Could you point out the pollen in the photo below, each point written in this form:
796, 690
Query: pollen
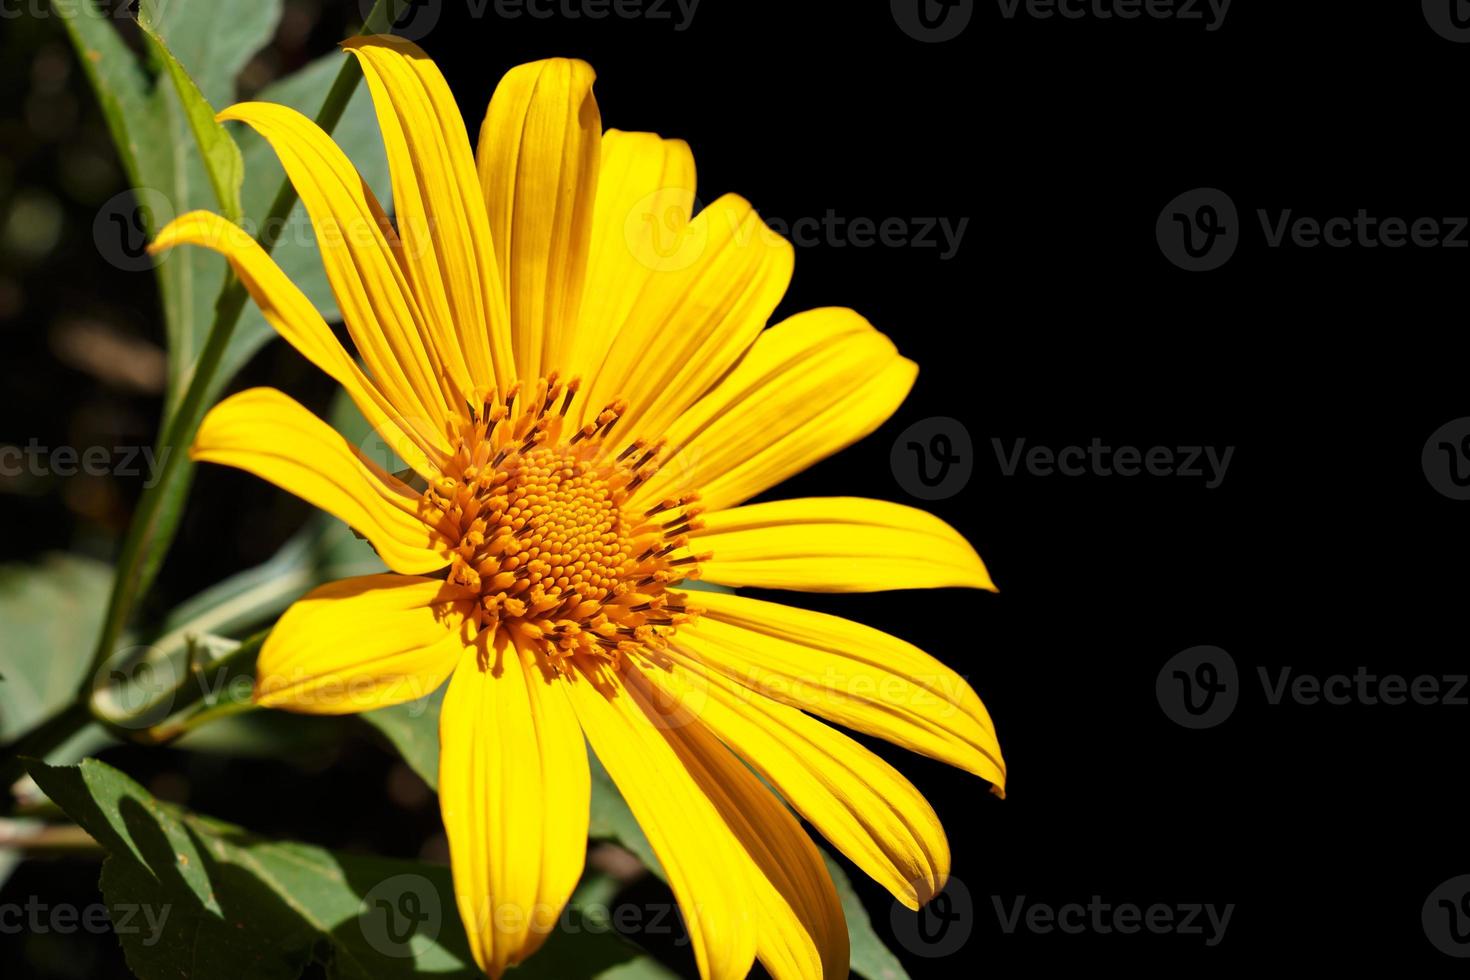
545, 532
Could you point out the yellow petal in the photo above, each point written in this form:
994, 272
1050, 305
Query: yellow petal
859, 802
537, 159
362, 643
707, 867
645, 195
836, 544
852, 674
810, 385
293, 316
802, 931
440, 211
266, 433
514, 793
691, 324
357, 248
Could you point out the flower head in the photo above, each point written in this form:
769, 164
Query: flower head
577, 370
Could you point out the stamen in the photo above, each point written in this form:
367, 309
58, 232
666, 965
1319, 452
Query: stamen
537, 517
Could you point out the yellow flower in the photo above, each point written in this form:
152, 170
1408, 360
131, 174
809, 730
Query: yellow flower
577, 369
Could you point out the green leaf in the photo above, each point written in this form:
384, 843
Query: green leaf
207, 900
222, 161
202, 45
151, 127
51, 612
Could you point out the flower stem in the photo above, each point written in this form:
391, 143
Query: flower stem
180, 696
165, 733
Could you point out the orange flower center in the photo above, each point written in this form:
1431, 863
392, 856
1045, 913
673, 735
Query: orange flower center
545, 532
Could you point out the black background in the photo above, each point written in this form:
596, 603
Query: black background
1059, 320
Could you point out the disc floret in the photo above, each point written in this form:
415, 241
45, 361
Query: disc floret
544, 532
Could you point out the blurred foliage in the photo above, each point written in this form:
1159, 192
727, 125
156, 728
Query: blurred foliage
83, 337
